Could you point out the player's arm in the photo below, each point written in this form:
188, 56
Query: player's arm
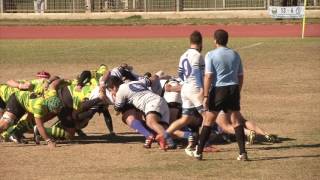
181, 71
43, 133
208, 79
20, 85
53, 83
120, 100
240, 74
197, 70
103, 79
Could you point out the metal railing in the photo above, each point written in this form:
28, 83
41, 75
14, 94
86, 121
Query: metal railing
76, 6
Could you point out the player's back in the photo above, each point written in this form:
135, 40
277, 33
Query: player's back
191, 68
135, 93
226, 65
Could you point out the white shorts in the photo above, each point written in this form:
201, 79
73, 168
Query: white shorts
160, 106
191, 97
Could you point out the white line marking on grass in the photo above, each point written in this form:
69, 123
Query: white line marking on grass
251, 45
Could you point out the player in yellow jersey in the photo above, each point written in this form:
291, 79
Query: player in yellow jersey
38, 87
38, 108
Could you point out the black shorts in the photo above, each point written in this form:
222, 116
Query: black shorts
2, 104
14, 107
65, 116
174, 105
65, 96
226, 98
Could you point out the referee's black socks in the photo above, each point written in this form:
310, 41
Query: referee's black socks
204, 136
240, 136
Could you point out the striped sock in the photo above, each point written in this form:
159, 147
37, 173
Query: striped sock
57, 132
7, 133
22, 127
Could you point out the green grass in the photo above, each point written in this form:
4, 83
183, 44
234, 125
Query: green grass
281, 90
138, 20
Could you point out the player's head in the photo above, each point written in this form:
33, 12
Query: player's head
113, 83
84, 78
54, 104
43, 74
221, 37
196, 39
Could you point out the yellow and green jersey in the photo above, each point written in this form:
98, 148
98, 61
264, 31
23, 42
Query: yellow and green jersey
35, 105
38, 86
78, 96
6, 91
97, 74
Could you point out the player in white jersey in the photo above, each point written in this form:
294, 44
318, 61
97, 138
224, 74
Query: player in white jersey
191, 70
137, 94
171, 93
124, 72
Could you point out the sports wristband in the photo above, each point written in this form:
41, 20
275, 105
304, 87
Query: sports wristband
49, 140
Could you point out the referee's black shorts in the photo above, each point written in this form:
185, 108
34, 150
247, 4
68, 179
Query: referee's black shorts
225, 98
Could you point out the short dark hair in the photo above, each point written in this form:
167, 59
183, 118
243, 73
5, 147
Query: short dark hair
196, 38
113, 81
221, 36
84, 78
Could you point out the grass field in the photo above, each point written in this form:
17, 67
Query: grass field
281, 94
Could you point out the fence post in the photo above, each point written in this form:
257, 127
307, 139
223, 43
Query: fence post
177, 5
1, 6
88, 6
224, 4
267, 4
145, 5
73, 6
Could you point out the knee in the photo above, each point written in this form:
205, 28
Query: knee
6, 121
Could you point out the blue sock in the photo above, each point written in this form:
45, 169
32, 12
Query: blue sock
168, 138
186, 134
140, 127
166, 135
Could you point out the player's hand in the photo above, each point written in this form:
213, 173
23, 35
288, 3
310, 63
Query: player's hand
25, 86
51, 143
205, 103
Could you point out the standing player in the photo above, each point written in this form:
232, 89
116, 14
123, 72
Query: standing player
222, 86
191, 70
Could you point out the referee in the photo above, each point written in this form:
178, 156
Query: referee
222, 86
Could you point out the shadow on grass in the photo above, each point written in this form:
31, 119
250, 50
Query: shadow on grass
284, 157
260, 140
108, 138
288, 147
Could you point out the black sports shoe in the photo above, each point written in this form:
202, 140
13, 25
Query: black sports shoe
81, 133
16, 139
36, 134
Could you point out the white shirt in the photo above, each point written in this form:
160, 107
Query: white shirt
191, 68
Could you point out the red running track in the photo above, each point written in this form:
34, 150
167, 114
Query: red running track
153, 31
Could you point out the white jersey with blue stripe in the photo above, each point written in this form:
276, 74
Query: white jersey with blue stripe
191, 68
135, 93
